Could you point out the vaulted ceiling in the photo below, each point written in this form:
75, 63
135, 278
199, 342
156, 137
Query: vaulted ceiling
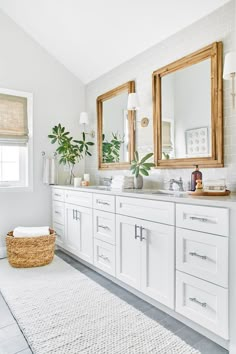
91, 37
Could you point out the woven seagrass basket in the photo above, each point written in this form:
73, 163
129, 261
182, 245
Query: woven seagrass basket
27, 252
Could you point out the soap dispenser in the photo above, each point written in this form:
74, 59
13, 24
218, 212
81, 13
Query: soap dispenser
196, 175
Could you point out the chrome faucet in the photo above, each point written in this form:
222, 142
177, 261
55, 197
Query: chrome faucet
178, 182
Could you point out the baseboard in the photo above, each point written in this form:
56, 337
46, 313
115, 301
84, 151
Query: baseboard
3, 252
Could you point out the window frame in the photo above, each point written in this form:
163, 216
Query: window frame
26, 161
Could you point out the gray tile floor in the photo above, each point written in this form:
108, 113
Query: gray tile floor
12, 340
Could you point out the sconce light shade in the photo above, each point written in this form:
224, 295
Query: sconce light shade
84, 118
229, 65
133, 102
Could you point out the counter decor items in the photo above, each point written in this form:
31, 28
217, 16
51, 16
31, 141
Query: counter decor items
121, 182
195, 175
140, 168
211, 188
77, 181
71, 151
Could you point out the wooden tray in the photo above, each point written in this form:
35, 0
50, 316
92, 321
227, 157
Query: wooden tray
210, 194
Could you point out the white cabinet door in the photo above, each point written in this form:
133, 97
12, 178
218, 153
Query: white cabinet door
85, 216
72, 229
157, 261
127, 251
60, 238
146, 262
79, 231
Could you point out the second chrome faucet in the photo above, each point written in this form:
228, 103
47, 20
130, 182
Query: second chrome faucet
178, 182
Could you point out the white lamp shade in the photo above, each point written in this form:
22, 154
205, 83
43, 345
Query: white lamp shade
229, 65
133, 102
83, 118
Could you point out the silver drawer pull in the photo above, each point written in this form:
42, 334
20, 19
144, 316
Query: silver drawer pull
141, 233
104, 257
57, 195
77, 215
194, 254
104, 227
193, 299
136, 227
102, 202
198, 218
57, 212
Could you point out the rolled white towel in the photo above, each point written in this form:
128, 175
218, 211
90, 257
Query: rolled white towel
21, 231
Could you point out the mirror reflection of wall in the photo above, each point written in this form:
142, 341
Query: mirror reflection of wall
115, 124
186, 112
115, 129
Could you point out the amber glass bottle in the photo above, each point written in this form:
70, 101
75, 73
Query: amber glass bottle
194, 177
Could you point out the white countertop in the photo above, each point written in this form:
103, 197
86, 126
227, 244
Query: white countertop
148, 194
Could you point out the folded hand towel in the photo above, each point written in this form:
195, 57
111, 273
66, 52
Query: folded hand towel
31, 231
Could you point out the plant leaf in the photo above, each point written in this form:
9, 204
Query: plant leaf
145, 158
144, 172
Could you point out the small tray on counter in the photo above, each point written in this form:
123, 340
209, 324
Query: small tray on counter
209, 194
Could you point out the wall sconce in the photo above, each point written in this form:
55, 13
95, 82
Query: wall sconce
230, 72
133, 105
85, 121
133, 102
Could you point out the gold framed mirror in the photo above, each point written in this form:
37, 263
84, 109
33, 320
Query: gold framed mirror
115, 128
188, 110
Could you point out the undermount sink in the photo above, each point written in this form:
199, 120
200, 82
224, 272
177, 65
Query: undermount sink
102, 188
163, 192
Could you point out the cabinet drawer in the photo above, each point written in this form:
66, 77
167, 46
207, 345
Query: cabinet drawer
58, 194
152, 210
79, 198
59, 229
104, 226
104, 202
203, 255
58, 212
201, 218
104, 256
203, 303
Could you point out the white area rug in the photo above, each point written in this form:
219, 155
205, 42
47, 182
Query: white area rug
62, 311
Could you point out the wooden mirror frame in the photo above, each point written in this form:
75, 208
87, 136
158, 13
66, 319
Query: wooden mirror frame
128, 87
214, 52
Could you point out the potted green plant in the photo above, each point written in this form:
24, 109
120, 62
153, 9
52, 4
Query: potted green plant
71, 151
140, 168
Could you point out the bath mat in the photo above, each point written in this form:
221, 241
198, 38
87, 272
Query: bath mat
62, 311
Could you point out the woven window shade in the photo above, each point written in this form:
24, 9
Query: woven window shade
166, 137
13, 119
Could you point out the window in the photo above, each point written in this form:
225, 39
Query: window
15, 138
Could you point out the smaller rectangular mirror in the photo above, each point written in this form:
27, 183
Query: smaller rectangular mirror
115, 128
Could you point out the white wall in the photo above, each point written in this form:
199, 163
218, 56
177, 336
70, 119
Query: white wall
58, 97
219, 26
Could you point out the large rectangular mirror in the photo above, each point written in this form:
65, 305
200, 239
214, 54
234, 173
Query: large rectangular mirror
115, 128
188, 122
